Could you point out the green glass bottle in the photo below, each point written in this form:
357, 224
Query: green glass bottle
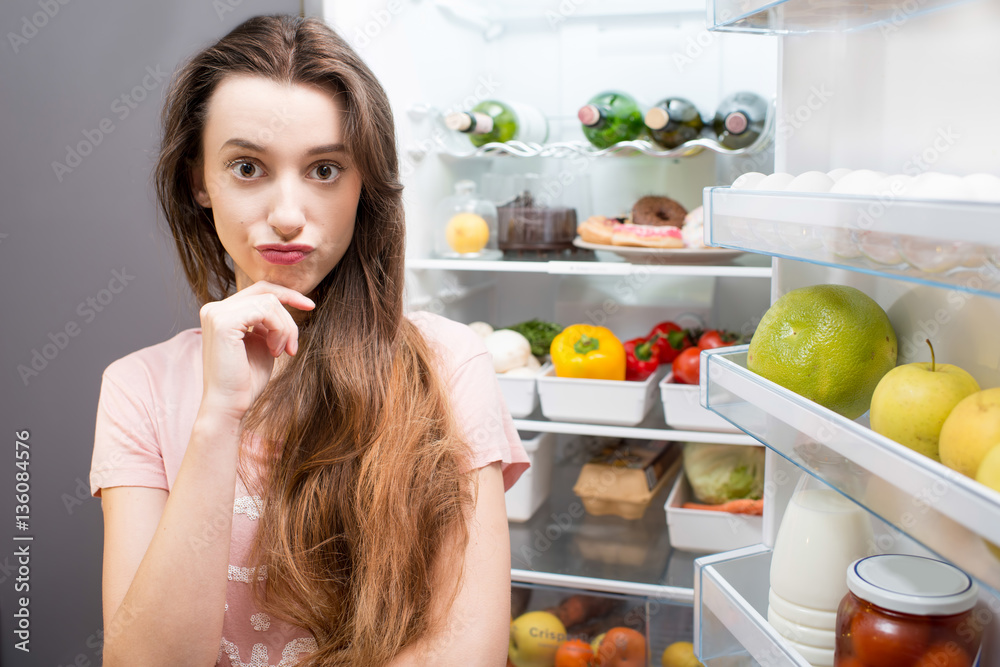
610, 117
493, 121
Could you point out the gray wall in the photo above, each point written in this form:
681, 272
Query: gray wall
64, 67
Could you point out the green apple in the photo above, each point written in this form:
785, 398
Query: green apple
912, 402
534, 639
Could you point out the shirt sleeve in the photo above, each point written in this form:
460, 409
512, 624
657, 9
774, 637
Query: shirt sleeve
126, 450
482, 414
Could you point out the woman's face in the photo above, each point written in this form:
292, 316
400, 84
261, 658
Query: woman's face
282, 189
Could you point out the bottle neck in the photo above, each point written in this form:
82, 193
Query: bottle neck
470, 122
591, 114
736, 122
657, 118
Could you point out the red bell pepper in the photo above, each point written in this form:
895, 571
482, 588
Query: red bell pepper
642, 357
673, 339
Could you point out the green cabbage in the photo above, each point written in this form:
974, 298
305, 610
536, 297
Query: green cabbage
720, 473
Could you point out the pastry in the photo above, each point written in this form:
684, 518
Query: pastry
657, 211
597, 229
647, 236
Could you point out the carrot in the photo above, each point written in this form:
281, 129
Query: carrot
743, 506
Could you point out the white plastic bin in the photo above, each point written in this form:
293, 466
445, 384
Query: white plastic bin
614, 402
682, 409
707, 531
533, 488
521, 393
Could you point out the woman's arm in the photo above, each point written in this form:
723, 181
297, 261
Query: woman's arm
165, 576
475, 631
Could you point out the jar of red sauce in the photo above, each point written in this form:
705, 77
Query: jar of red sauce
907, 611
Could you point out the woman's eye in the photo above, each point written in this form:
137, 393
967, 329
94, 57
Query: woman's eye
245, 169
325, 172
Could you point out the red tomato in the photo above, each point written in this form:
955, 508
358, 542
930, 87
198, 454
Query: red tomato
883, 641
712, 339
946, 654
687, 366
673, 340
849, 661
574, 653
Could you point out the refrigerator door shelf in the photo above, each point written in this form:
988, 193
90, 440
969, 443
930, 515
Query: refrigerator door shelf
933, 242
730, 599
936, 507
786, 17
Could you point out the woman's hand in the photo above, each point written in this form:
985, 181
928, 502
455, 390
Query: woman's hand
237, 364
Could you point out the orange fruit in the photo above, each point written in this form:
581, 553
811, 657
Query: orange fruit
622, 647
574, 653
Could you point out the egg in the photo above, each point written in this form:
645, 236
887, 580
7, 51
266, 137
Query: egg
934, 185
748, 180
811, 181
778, 181
839, 242
893, 186
985, 187
878, 247
859, 182
932, 256
837, 174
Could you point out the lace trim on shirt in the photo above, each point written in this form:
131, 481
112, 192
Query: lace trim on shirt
258, 655
245, 574
249, 505
260, 621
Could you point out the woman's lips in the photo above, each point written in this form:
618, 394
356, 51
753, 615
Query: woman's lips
283, 256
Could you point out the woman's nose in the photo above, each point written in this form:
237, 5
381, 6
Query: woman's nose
287, 214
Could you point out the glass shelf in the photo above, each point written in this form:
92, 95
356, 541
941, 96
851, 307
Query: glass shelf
594, 267
784, 17
653, 427
562, 545
731, 608
946, 512
568, 149
934, 242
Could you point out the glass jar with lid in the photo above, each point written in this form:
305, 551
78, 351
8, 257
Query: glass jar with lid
466, 225
907, 611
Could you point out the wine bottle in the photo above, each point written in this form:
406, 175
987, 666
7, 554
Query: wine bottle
610, 117
494, 121
740, 119
674, 121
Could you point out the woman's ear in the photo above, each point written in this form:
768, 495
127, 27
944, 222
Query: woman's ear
198, 187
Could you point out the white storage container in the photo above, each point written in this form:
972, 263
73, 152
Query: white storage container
682, 409
614, 402
707, 531
521, 393
533, 488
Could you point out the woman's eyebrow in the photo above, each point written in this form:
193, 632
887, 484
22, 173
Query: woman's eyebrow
315, 150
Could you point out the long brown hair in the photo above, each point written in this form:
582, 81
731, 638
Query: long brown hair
365, 489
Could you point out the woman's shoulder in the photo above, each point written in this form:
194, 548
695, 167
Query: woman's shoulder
455, 342
157, 360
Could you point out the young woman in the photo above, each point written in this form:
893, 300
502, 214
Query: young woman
310, 477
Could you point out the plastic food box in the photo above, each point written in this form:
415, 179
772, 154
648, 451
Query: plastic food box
623, 478
683, 411
535, 484
614, 402
521, 393
707, 531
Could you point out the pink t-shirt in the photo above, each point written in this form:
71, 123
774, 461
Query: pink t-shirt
145, 414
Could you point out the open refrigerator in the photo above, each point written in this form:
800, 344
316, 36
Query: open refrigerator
899, 87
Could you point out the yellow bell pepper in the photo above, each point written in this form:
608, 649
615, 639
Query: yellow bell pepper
585, 351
